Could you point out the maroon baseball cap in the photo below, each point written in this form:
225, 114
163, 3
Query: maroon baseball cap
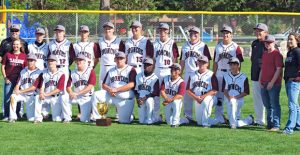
84, 28
270, 39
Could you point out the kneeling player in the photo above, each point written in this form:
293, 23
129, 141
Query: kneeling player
84, 79
51, 91
25, 90
117, 89
202, 86
172, 90
147, 87
236, 86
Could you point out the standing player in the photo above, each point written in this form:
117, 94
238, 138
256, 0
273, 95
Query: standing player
83, 79
172, 90
202, 86
138, 47
258, 47
190, 52
236, 87
118, 86
224, 51
63, 50
165, 54
52, 86
147, 87
109, 46
87, 48
25, 90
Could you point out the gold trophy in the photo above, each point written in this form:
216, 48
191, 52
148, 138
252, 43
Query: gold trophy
102, 110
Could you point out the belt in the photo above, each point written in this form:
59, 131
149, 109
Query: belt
223, 70
135, 66
164, 67
61, 66
108, 65
55, 95
32, 95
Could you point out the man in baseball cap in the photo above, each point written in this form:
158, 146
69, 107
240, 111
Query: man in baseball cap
234, 60
60, 28
226, 28
108, 24
84, 28
261, 26
194, 29
136, 24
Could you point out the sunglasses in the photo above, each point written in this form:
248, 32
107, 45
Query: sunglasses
14, 30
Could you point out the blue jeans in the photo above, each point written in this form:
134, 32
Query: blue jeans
292, 91
271, 102
8, 89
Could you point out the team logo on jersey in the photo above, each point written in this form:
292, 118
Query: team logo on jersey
119, 78
86, 54
135, 50
108, 51
16, 62
59, 52
163, 53
225, 55
171, 92
144, 87
50, 83
234, 87
26, 80
191, 54
40, 56
81, 83
200, 84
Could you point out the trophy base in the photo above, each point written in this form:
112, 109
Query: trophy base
103, 122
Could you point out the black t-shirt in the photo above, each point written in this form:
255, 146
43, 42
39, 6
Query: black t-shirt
257, 47
292, 64
6, 46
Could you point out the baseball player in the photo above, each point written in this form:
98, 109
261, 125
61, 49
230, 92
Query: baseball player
63, 50
138, 47
109, 45
172, 91
147, 87
224, 51
83, 79
190, 52
40, 49
52, 86
236, 87
25, 90
118, 89
165, 54
202, 86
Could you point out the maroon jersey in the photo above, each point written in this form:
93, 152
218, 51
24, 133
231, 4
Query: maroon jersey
14, 64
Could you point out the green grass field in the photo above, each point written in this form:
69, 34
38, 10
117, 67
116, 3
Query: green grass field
24, 137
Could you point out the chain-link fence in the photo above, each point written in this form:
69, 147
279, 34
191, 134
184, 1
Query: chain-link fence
210, 25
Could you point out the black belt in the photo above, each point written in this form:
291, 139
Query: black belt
55, 95
32, 95
108, 65
61, 66
223, 70
164, 67
135, 66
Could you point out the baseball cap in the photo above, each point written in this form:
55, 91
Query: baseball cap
40, 30
120, 55
226, 28
234, 60
52, 57
60, 27
136, 24
148, 61
261, 26
163, 26
84, 28
202, 58
109, 24
269, 38
195, 29
31, 56
15, 27
176, 66
80, 57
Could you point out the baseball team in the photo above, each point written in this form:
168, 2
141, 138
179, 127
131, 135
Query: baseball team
153, 75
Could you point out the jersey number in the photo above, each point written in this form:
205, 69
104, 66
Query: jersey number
62, 61
167, 62
139, 59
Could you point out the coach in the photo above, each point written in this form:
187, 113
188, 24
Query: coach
258, 47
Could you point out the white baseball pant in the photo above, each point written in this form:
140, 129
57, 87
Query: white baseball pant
124, 106
55, 102
219, 112
65, 102
85, 103
46, 109
233, 106
160, 73
28, 99
103, 71
203, 110
258, 103
146, 113
188, 101
172, 112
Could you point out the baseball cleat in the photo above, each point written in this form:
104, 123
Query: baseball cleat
175, 126
274, 129
37, 122
12, 121
233, 127
5, 119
